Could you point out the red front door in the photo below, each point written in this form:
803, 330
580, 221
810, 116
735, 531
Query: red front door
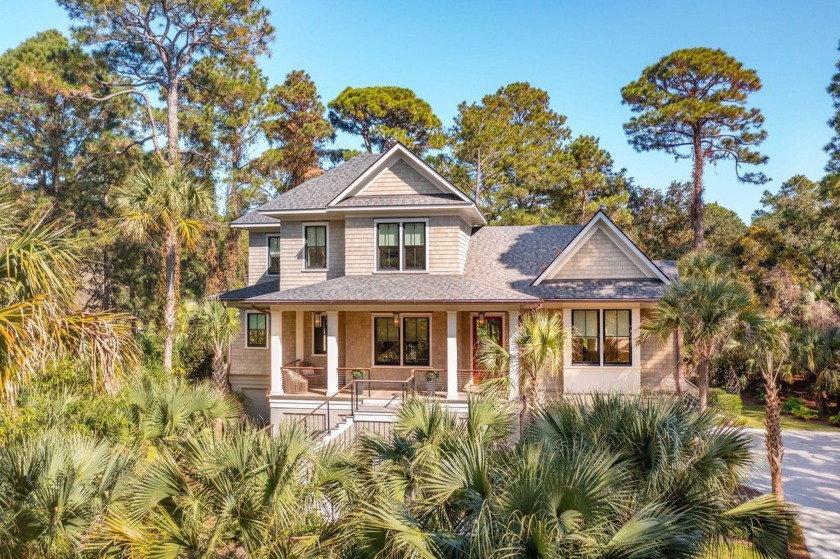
492, 328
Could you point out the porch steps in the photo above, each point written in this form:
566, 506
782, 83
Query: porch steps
337, 431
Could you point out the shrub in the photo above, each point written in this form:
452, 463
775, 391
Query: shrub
760, 395
727, 405
835, 419
797, 408
806, 413
791, 404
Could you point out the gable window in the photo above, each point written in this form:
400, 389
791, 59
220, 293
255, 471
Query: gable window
273, 255
416, 340
315, 248
386, 341
388, 246
401, 246
414, 241
319, 335
617, 343
585, 349
256, 331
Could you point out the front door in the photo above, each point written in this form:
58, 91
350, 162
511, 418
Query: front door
492, 328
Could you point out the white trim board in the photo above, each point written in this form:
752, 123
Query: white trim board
601, 222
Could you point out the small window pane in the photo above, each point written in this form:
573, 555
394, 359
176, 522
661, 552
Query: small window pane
316, 247
414, 235
388, 246
585, 337
256, 330
416, 341
274, 255
386, 341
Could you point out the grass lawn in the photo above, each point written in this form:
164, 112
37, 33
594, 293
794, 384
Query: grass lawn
753, 414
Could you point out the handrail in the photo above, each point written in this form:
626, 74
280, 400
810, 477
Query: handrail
327, 403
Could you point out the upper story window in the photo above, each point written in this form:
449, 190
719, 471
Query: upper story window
592, 327
273, 254
315, 248
256, 331
401, 246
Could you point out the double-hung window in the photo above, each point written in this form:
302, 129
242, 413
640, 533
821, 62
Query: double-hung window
401, 246
404, 342
611, 327
315, 248
273, 254
256, 331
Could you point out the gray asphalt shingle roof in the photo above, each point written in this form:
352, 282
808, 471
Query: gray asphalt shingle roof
401, 200
396, 288
255, 218
318, 192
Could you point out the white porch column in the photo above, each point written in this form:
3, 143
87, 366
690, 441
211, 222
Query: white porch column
276, 344
332, 352
451, 355
513, 349
299, 335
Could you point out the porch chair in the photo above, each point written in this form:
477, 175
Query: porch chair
295, 383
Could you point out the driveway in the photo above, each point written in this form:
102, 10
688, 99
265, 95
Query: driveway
811, 472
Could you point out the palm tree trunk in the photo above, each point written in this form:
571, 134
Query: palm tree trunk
170, 249
678, 345
523, 414
773, 435
697, 195
220, 371
703, 382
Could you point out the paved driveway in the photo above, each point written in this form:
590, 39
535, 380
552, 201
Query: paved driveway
811, 472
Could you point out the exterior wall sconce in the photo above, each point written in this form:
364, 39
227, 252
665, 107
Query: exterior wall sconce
396, 320
316, 318
481, 321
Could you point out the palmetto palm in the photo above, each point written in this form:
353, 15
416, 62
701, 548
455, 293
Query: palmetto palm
615, 477
540, 340
173, 207
216, 326
710, 311
817, 353
39, 317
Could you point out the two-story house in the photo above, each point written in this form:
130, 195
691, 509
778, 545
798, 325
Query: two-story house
383, 267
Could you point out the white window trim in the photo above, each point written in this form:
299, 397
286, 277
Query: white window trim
373, 318
268, 254
326, 225
312, 330
635, 348
267, 331
401, 240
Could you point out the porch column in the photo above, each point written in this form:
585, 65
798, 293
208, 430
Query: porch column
513, 349
332, 352
276, 344
299, 335
451, 355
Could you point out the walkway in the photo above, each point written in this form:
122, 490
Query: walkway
811, 472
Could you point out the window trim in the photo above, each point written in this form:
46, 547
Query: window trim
629, 363
598, 335
312, 347
326, 226
401, 239
267, 331
402, 365
268, 238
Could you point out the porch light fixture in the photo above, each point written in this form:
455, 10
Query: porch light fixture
316, 317
481, 320
396, 320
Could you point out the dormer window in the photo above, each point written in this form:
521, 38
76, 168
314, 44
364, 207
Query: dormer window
401, 246
315, 248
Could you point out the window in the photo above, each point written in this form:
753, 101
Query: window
319, 336
585, 337
273, 255
416, 340
386, 345
414, 241
256, 330
315, 250
388, 246
401, 246
617, 337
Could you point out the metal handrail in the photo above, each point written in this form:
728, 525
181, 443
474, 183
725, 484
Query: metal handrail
327, 403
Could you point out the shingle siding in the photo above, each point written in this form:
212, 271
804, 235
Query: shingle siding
659, 361
258, 256
293, 273
599, 258
247, 361
399, 178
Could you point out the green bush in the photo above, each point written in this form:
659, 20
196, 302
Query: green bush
835, 419
806, 413
797, 408
727, 405
760, 395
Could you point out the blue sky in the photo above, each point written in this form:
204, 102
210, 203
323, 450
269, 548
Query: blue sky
581, 52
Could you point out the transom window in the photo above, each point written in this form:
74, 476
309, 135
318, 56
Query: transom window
256, 331
404, 341
315, 248
592, 327
401, 246
274, 255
